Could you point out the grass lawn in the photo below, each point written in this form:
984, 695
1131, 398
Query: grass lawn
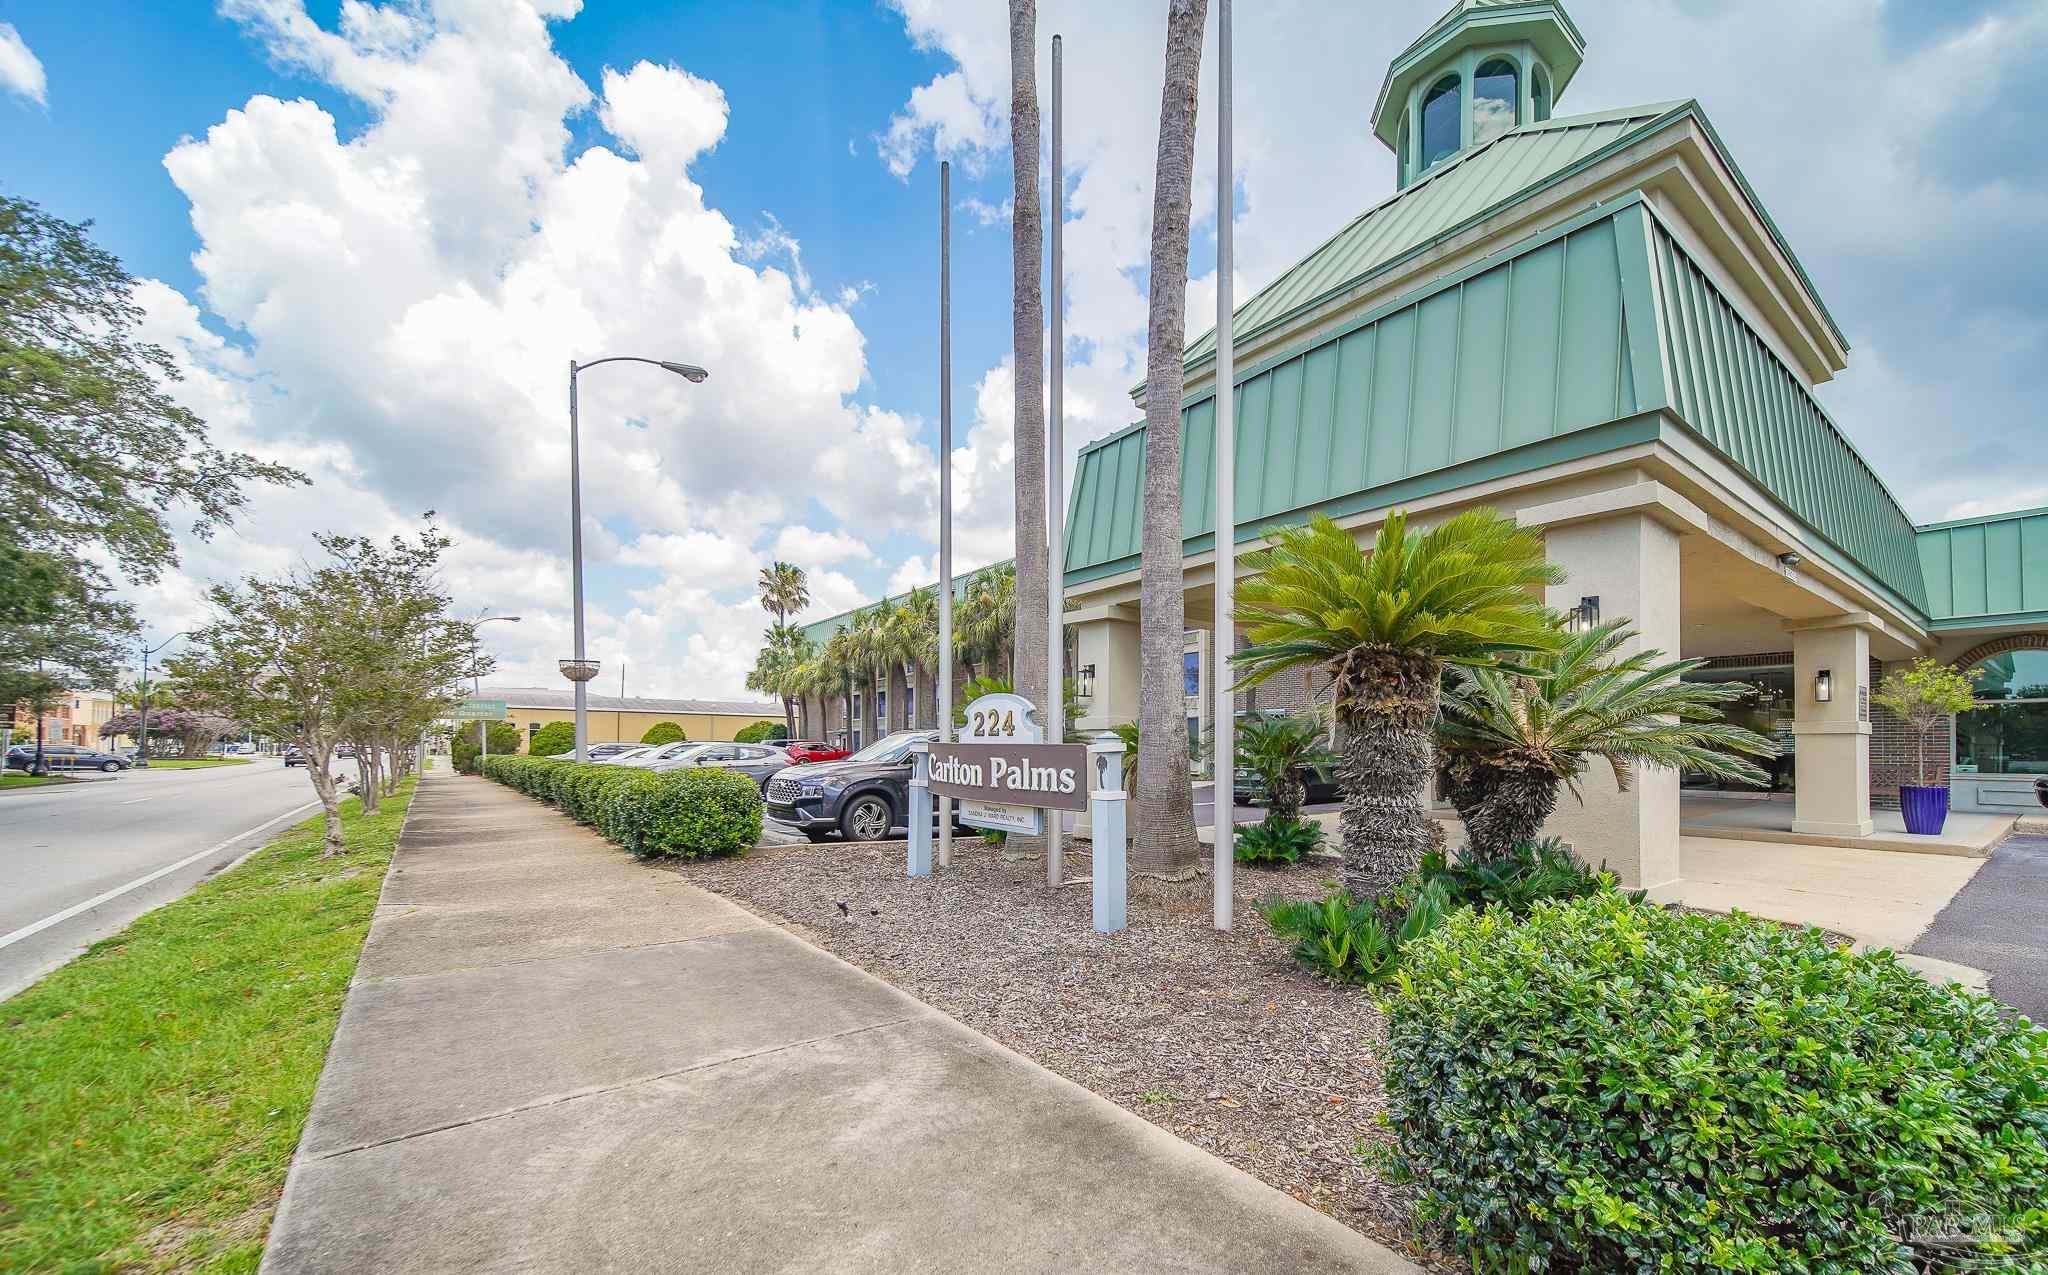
195, 763
153, 1090
17, 779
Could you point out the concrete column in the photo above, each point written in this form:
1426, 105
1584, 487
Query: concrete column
1630, 562
1831, 759
1107, 639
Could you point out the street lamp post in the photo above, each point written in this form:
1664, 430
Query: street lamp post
580, 669
142, 730
476, 680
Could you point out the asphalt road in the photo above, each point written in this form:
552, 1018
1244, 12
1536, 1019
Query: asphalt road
1999, 923
79, 861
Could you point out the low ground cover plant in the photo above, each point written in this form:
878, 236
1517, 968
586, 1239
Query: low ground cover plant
1275, 839
1605, 1086
688, 814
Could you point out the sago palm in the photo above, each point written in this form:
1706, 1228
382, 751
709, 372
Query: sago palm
1280, 751
1383, 625
1513, 738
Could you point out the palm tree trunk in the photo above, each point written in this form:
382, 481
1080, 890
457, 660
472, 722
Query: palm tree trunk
1387, 706
1164, 843
1027, 318
1518, 800
788, 718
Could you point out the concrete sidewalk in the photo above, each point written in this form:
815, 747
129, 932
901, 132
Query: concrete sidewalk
556, 1059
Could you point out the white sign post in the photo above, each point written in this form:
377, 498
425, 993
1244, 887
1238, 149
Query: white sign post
1106, 803
920, 864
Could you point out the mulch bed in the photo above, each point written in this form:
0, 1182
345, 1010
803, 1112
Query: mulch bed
1219, 1038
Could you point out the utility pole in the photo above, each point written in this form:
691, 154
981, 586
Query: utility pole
1225, 631
1055, 488
945, 804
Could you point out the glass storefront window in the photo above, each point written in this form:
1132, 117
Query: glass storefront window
2008, 735
1496, 100
1767, 709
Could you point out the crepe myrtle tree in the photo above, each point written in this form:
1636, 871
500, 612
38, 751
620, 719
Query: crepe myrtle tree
362, 649
1925, 695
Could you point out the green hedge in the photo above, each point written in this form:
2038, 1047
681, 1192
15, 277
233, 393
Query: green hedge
555, 737
1608, 1086
664, 733
688, 814
761, 731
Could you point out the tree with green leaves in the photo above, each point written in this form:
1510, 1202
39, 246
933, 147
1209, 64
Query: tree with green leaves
96, 453
1384, 625
361, 649
1925, 694
985, 622
785, 590
1512, 738
778, 668
1281, 751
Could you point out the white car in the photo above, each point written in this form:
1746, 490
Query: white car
654, 758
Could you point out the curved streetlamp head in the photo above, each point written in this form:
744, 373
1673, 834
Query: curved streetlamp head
688, 371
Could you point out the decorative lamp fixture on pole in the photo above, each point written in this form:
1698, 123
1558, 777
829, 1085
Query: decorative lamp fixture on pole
581, 669
142, 730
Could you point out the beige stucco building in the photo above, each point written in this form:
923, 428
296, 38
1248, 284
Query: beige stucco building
1590, 323
627, 718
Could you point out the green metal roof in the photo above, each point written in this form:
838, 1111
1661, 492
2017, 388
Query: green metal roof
1556, 347
1986, 569
1521, 348
1458, 191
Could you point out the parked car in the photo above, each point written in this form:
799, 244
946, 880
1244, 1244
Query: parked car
802, 752
653, 757
345, 750
862, 798
620, 757
599, 752
758, 762
62, 757
294, 757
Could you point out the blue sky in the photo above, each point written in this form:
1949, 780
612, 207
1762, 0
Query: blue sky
380, 231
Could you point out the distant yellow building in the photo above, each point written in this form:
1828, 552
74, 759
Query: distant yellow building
615, 718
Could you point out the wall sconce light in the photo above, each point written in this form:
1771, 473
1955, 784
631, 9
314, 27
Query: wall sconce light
1823, 686
1084, 681
1585, 616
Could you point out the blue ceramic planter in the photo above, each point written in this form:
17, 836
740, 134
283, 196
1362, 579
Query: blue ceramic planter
1926, 809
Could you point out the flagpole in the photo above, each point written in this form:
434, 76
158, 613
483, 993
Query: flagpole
1224, 635
945, 804
1055, 489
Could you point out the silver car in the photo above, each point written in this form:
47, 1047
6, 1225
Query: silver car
654, 757
758, 762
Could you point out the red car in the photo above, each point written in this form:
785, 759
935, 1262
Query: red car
805, 751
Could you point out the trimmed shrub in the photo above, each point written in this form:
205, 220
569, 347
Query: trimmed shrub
463, 748
760, 732
1519, 879
690, 813
1612, 1087
664, 733
1352, 942
555, 737
1277, 839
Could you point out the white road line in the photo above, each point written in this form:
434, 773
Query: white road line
132, 800
59, 918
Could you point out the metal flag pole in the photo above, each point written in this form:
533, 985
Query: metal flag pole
1055, 489
1225, 633
945, 804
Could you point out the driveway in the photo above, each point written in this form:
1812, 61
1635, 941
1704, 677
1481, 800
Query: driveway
1999, 923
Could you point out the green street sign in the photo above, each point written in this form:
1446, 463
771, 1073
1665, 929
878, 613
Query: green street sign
489, 710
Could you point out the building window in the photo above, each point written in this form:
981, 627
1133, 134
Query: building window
1539, 93
882, 709
1191, 672
2007, 733
1496, 100
910, 705
1439, 122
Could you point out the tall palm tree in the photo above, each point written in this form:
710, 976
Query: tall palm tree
987, 620
1165, 843
1512, 739
839, 665
778, 669
914, 641
784, 590
1385, 626
1024, 644
870, 648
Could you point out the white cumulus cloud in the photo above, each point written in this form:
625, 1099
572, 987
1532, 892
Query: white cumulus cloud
21, 71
